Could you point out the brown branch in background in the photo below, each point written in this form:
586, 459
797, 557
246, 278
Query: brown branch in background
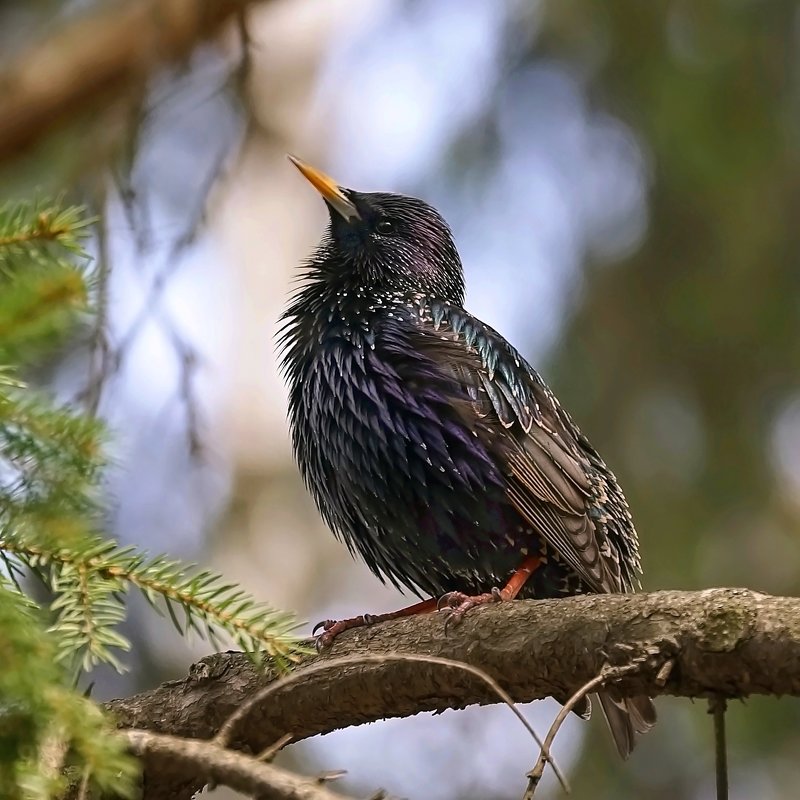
267, 755
728, 642
241, 772
99, 57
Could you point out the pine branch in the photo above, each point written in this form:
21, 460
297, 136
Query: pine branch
43, 275
51, 459
88, 613
205, 597
43, 720
88, 581
50, 462
24, 224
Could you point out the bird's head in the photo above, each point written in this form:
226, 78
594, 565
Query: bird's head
385, 243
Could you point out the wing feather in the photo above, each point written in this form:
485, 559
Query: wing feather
553, 480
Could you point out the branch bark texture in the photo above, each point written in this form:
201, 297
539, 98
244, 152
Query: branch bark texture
227, 767
98, 58
721, 642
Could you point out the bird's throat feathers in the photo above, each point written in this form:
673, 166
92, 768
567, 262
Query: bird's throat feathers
372, 269
335, 301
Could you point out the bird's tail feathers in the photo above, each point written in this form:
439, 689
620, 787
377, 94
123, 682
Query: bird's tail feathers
626, 718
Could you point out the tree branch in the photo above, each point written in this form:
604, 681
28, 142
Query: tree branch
212, 762
722, 642
99, 57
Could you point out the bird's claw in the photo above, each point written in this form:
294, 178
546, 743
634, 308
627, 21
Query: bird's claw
450, 600
456, 604
325, 624
331, 628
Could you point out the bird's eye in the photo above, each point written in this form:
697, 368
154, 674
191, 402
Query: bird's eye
384, 226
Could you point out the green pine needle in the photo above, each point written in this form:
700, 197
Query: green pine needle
51, 463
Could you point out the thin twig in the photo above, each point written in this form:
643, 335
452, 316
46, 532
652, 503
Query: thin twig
662, 676
605, 675
226, 732
330, 775
230, 768
245, 67
267, 755
99, 350
83, 789
717, 707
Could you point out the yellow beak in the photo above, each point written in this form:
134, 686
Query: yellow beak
328, 188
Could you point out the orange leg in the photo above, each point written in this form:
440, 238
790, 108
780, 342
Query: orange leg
456, 604
332, 628
520, 578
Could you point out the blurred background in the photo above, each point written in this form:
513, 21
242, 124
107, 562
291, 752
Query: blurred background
623, 182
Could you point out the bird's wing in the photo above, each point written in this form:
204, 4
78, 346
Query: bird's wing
554, 478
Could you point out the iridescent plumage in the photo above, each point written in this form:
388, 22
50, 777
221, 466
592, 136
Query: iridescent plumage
431, 447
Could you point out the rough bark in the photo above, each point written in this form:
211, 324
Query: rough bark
97, 59
721, 642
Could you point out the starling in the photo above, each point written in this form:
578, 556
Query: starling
431, 447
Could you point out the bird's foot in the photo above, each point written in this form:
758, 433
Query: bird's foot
331, 628
456, 604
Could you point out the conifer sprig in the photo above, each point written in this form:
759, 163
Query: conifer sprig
43, 275
89, 583
23, 225
51, 462
44, 724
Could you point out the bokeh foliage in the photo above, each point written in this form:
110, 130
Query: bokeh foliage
680, 360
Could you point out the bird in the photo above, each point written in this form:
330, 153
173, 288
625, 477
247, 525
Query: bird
430, 446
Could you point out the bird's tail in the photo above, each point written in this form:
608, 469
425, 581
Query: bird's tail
627, 717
